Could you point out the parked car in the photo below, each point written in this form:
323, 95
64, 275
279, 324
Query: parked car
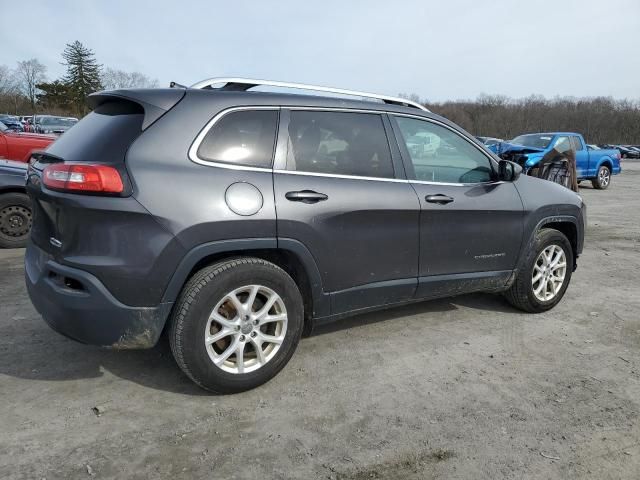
595, 165
19, 146
260, 230
12, 123
51, 124
15, 206
628, 151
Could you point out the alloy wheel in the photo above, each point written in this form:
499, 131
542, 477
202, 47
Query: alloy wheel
549, 272
246, 329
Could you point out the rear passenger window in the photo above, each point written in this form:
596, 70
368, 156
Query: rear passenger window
339, 143
242, 138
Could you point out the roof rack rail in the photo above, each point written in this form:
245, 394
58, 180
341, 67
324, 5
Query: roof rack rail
244, 84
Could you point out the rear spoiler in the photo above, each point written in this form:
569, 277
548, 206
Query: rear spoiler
155, 102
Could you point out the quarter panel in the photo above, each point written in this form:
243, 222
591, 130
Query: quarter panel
189, 198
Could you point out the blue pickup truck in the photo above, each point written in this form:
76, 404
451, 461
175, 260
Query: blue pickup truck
594, 165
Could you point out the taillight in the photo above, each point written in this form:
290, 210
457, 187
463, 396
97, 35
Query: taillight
83, 177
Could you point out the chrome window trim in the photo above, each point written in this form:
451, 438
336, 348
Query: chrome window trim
336, 175
448, 184
193, 150
251, 82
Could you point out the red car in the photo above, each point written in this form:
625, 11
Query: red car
19, 146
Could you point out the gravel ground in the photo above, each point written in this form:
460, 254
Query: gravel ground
459, 388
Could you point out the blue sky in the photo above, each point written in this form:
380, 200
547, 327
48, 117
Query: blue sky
445, 49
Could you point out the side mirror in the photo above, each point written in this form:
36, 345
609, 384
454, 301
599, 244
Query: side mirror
508, 171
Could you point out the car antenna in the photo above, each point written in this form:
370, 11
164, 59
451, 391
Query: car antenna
176, 85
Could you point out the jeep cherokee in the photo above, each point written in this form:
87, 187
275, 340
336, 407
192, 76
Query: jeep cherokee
235, 219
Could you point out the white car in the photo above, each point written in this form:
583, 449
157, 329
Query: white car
423, 144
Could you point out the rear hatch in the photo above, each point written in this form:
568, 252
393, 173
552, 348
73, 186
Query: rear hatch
72, 223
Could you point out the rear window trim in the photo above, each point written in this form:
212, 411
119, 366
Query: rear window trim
193, 150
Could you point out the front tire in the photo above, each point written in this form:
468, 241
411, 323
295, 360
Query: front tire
15, 220
603, 178
544, 275
236, 324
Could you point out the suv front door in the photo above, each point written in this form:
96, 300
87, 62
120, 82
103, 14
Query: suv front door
339, 193
470, 225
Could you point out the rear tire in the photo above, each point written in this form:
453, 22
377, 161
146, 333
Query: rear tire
529, 291
603, 178
227, 304
15, 220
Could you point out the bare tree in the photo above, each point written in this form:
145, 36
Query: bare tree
30, 73
8, 84
601, 120
113, 79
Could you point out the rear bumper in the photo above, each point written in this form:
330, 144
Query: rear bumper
77, 305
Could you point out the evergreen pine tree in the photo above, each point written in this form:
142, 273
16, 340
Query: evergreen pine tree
83, 74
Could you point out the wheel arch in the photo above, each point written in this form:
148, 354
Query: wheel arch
606, 161
568, 226
13, 189
290, 255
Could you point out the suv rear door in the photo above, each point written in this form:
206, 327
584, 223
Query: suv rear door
340, 191
470, 225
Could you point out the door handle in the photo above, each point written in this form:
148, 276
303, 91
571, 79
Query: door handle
306, 196
439, 199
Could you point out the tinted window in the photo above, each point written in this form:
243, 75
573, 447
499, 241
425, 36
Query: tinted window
338, 143
104, 135
441, 155
242, 138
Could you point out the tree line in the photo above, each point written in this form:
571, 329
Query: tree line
26, 89
601, 120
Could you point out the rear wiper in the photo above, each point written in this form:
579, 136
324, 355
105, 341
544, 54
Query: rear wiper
177, 85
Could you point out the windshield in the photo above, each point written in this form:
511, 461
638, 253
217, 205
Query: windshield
535, 141
3, 127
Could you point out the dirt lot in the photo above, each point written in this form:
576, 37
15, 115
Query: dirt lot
461, 388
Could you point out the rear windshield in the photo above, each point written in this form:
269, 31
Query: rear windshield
102, 136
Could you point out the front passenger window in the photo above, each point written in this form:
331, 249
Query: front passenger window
441, 155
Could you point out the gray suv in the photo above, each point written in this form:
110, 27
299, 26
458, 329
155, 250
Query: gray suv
235, 220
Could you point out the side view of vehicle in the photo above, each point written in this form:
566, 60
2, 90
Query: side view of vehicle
19, 146
235, 219
15, 205
595, 165
627, 151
